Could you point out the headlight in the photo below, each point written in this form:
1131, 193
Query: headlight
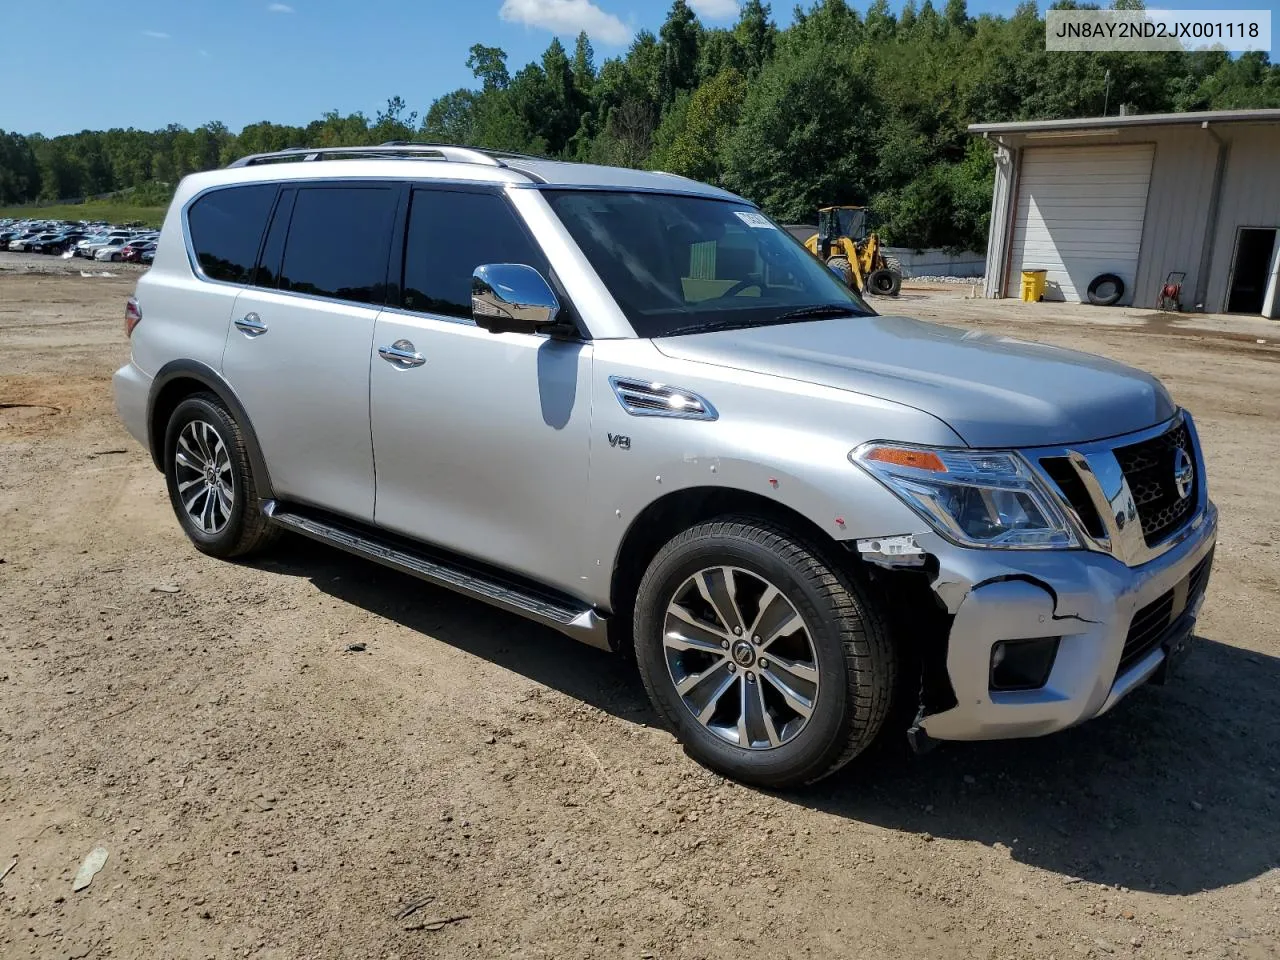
986, 498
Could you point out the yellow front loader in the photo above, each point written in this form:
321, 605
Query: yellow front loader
844, 244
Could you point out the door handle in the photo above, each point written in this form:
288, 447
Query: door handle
251, 325
402, 354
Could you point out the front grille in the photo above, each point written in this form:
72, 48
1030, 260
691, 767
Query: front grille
1062, 473
1149, 625
1149, 468
1198, 580
1145, 630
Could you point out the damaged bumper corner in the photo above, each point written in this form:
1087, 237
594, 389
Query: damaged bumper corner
1085, 599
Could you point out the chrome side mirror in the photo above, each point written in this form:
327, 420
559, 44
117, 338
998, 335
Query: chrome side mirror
511, 298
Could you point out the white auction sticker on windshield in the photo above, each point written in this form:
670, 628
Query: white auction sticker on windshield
753, 219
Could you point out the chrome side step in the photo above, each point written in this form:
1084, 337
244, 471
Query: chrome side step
560, 613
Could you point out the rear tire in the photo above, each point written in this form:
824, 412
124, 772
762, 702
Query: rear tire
210, 480
841, 267
796, 706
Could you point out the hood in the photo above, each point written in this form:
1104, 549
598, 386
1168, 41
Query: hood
993, 391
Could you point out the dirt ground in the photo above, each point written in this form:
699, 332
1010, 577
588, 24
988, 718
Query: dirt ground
473, 786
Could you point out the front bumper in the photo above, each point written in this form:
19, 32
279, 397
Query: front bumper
1088, 599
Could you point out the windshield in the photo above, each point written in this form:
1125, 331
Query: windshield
678, 264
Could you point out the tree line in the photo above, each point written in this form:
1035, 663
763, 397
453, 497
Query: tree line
842, 106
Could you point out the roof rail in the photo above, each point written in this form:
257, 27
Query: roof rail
394, 150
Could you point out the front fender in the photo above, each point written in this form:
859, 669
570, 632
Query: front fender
786, 441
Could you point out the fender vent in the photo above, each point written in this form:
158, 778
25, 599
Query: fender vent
641, 398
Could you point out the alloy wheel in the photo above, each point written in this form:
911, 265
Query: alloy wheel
741, 657
202, 470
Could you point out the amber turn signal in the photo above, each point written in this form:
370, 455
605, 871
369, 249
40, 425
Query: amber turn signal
906, 457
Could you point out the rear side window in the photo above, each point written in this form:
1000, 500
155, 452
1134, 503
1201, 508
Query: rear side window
226, 228
450, 234
338, 242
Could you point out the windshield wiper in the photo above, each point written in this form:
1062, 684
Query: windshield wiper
821, 310
804, 313
711, 326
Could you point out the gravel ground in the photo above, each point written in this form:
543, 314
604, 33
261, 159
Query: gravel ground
472, 786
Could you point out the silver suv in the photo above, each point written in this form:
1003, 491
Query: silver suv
628, 406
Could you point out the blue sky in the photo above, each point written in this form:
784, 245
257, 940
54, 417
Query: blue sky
148, 63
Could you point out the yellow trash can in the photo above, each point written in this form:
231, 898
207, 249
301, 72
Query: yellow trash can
1033, 285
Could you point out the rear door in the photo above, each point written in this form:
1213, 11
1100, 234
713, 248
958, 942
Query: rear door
298, 348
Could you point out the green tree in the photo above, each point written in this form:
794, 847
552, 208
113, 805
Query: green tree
679, 36
394, 122
756, 36
584, 64
489, 65
19, 169
956, 13
703, 124
880, 23
451, 119
800, 142
948, 205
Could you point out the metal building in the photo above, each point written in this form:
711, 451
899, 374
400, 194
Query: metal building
1140, 197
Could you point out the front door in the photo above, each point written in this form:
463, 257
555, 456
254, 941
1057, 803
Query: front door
481, 439
299, 344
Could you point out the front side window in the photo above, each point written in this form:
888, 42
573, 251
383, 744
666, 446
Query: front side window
338, 242
226, 227
450, 234
680, 264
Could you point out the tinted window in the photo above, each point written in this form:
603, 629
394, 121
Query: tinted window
268, 273
338, 243
452, 233
226, 226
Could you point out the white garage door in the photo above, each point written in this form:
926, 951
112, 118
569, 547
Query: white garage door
1080, 212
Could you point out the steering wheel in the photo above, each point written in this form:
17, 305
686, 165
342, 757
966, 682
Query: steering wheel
738, 287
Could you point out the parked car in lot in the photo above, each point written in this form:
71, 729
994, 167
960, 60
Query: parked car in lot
630, 407
55, 244
108, 249
88, 247
59, 236
81, 248
132, 252
19, 244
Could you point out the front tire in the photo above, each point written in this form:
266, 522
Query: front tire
884, 283
772, 665
210, 480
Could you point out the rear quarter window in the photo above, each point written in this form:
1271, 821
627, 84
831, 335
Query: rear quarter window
226, 228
